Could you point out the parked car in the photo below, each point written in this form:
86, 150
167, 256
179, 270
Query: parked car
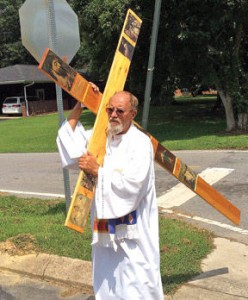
13, 105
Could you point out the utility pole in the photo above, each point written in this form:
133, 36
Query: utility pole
150, 69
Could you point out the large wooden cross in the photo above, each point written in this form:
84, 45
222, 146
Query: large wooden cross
81, 90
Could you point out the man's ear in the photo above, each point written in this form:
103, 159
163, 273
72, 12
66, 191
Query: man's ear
134, 113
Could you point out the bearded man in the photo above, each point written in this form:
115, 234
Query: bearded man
124, 213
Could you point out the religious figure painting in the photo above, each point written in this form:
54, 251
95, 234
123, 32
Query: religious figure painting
132, 28
126, 48
58, 70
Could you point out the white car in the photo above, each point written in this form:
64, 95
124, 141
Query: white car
13, 105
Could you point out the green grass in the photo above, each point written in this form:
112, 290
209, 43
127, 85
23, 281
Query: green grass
33, 134
185, 125
182, 246
44, 219
190, 124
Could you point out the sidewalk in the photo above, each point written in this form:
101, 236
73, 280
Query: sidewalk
224, 277
225, 272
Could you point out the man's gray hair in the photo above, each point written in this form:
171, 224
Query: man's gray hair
133, 100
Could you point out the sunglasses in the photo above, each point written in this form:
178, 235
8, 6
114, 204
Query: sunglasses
118, 111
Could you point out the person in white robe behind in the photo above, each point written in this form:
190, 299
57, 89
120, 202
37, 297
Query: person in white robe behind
124, 214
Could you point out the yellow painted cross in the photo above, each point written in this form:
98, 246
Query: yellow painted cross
81, 90
84, 192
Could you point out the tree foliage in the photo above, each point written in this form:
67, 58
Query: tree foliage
11, 50
199, 42
215, 33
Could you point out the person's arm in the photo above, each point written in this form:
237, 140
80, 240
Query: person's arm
75, 115
77, 110
72, 138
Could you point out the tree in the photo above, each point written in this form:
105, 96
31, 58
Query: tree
100, 26
213, 47
199, 41
11, 51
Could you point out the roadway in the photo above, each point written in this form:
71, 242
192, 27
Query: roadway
40, 175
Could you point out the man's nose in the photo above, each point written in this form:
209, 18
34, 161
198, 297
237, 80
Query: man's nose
114, 113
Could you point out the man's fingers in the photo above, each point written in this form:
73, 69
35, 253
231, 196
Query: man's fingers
89, 153
94, 87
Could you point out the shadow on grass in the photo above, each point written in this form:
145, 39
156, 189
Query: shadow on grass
185, 120
58, 208
172, 283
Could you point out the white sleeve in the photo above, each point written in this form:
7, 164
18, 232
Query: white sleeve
72, 144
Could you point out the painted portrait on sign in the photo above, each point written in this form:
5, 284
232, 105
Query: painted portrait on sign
187, 176
126, 48
132, 28
59, 71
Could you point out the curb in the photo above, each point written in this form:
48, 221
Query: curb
224, 272
73, 272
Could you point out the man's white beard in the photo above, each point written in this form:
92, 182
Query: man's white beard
115, 129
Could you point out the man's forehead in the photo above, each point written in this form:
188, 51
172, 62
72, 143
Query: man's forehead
119, 98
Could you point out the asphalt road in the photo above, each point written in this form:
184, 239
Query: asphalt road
40, 175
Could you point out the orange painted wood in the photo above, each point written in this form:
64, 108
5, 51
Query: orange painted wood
217, 200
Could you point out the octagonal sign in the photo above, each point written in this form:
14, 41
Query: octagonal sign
49, 24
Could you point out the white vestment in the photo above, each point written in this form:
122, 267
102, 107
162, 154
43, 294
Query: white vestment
125, 250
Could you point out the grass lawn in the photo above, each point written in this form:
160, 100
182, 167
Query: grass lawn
186, 125
37, 225
190, 124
